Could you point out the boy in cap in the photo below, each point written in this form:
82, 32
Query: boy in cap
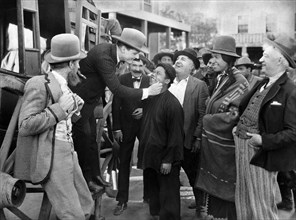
161, 144
45, 153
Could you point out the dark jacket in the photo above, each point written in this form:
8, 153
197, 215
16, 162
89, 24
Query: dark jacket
277, 126
122, 108
99, 67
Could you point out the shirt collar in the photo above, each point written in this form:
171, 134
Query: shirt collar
59, 78
176, 80
272, 79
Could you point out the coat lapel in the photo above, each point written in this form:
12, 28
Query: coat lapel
53, 87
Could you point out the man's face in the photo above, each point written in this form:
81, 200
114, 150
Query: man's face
202, 64
219, 64
269, 61
245, 71
159, 75
166, 59
128, 55
184, 66
137, 67
73, 78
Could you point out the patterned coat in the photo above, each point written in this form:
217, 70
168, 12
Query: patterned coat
217, 172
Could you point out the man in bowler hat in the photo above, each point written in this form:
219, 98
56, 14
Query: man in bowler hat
99, 68
192, 94
265, 136
45, 154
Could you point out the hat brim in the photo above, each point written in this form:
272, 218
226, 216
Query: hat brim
225, 53
50, 59
192, 57
158, 56
142, 49
284, 53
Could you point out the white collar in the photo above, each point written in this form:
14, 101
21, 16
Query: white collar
59, 78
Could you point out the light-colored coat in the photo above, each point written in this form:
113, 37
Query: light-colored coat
38, 118
194, 107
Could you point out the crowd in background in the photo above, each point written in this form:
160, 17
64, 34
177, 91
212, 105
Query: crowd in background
229, 125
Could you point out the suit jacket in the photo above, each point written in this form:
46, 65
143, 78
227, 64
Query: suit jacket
99, 67
194, 108
38, 117
277, 126
122, 108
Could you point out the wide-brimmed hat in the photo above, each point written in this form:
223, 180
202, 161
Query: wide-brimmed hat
190, 53
286, 45
133, 38
161, 54
244, 61
169, 69
64, 47
225, 45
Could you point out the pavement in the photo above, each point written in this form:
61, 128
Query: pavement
136, 210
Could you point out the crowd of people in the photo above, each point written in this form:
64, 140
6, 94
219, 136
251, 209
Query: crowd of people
203, 110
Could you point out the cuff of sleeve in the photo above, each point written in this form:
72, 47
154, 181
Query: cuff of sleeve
145, 94
58, 112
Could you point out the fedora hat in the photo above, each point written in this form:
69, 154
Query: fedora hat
161, 54
286, 45
64, 47
133, 38
190, 53
243, 61
225, 45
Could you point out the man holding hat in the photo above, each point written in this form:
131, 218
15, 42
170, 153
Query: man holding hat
45, 153
99, 68
161, 142
192, 94
265, 136
245, 66
164, 56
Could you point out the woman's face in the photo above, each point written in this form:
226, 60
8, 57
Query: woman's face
220, 64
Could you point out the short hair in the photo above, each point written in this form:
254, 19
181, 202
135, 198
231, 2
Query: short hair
120, 44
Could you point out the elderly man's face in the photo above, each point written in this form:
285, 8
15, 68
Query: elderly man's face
184, 66
128, 55
270, 61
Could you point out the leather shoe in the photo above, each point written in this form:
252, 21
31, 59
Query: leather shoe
120, 208
287, 206
101, 182
93, 187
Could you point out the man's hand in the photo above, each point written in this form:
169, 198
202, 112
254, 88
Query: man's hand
154, 89
196, 146
165, 168
66, 102
138, 113
256, 139
118, 135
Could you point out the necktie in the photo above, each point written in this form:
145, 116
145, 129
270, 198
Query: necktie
136, 79
265, 80
220, 79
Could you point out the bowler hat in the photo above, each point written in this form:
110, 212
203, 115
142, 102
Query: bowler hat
244, 61
225, 45
161, 54
190, 53
64, 47
133, 38
286, 45
169, 70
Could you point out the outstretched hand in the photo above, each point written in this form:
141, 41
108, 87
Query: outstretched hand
154, 89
